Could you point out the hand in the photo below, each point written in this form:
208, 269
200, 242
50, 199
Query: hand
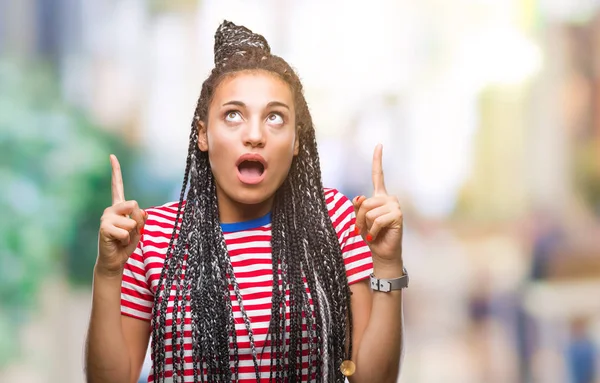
121, 228
379, 218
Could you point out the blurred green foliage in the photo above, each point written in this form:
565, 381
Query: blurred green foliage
55, 177
586, 171
165, 6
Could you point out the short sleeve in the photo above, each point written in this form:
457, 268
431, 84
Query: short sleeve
136, 297
356, 253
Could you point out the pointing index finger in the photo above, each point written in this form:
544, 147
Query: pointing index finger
118, 193
378, 184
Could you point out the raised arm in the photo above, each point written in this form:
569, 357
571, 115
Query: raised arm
378, 319
115, 345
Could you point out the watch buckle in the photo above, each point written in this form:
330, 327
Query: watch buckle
380, 285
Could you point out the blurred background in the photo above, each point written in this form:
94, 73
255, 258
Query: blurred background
489, 112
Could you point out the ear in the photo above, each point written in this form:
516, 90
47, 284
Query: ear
297, 142
202, 138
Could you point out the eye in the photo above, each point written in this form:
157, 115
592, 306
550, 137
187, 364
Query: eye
233, 116
275, 118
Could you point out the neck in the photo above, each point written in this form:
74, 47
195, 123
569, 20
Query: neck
231, 211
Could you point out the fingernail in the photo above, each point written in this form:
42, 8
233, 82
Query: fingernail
145, 213
141, 230
356, 230
369, 237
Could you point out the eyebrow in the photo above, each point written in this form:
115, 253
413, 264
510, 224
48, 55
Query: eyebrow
277, 103
269, 105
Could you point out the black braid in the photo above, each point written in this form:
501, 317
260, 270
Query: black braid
160, 306
277, 326
305, 252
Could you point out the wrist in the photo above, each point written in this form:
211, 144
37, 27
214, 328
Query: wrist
106, 290
388, 269
104, 274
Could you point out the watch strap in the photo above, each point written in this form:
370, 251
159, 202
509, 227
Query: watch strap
387, 285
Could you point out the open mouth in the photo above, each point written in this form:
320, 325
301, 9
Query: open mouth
251, 168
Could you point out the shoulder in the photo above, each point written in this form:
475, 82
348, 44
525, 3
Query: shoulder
167, 211
160, 222
336, 201
355, 251
341, 211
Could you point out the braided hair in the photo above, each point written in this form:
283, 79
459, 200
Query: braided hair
305, 249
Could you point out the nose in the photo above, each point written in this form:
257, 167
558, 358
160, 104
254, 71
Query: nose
254, 134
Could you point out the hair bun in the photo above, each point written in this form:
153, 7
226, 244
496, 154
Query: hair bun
231, 39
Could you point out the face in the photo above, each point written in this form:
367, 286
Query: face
251, 140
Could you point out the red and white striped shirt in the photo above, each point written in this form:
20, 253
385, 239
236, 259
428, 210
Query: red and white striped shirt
249, 246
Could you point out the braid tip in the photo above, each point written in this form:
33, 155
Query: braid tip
348, 368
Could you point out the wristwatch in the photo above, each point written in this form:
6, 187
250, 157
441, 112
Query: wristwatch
387, 285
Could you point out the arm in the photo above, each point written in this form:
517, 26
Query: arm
377, 332
116, 344
137, 336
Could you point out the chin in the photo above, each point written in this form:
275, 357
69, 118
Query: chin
252, 196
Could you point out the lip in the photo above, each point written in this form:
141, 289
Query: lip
251, 157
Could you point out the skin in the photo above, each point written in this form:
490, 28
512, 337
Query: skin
116, 345
379, 220
251, 112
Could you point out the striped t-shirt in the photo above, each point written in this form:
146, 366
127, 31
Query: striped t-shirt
249, 246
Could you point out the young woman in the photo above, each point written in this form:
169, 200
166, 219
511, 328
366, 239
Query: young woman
257, 273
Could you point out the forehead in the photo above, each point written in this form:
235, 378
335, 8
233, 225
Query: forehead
253, 87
